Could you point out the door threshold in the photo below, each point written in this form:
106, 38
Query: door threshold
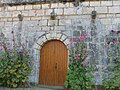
52, 87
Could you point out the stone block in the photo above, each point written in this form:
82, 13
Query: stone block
52, 22
15, 13
20, 7
4, 19
26, 18
36, 45
43, 22
6, 14
12, 8
0, 9
1, 14
40, 12
10, 14
45, 17
48, 36
101, 16
58, 36
9, 20
37, 29
32, 23
64, 22
31, 12
59, 11
87, 10
69, 11
116, 2
101, 9
28, 7
15, 19
15, 24
66, 42
95, 3
43, 39
114, 9
25, 13
35, 18
61, 5
71, 5
45, 28
45, 6
1, 24
53, 35
79, 10
54, 5
106, 21
8, 23
36, 7
60, 28
63, 37
111, 15
115, 21
106, 3
108, 27
117, 15
48, 11
86, 3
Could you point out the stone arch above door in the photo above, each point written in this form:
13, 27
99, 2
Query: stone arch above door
38, 45
51, 36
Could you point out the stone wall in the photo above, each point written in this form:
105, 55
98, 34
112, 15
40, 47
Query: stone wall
37, 27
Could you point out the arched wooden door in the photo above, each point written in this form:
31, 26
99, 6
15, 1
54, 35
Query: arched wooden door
53, 63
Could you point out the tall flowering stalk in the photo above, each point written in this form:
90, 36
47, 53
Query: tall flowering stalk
14, 66
79, 75
4, 45
13, 39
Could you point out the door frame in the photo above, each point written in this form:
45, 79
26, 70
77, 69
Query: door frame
36, 50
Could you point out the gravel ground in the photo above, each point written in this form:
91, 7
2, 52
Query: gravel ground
34, 88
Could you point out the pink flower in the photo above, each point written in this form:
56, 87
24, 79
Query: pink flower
114, 40
70, 39
83, 56
77, 39
118, 32
84, 49
76, 56
81, 37
85, 34
3, 45
83, 63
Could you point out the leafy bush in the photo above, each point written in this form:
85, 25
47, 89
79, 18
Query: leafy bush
79, 75
14, 67
112, 80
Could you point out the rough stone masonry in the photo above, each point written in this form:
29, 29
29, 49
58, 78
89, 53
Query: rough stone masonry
37, 27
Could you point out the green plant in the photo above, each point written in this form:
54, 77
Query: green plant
112, 81
14, 66
79, 75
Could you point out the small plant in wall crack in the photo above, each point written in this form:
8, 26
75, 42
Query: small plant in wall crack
79, 75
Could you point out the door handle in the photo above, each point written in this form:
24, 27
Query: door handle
56, 66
